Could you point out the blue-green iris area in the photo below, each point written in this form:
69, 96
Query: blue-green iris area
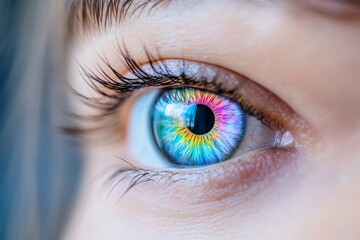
193, 127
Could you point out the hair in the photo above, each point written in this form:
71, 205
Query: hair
40, 168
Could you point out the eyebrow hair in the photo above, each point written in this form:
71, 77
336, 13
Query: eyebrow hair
89, 15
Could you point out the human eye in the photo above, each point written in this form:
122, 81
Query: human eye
186, 125
188, 122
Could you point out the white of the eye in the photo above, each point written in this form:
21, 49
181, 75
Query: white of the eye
142, 144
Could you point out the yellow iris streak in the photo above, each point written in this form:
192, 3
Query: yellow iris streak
196, 140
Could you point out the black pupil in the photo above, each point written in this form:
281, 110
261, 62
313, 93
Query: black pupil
200, 119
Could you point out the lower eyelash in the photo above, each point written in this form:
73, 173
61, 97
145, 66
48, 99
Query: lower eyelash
137, 176
256, 165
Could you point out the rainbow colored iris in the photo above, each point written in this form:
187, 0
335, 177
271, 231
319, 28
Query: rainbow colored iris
195, 127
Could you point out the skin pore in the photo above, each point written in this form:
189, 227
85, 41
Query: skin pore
308, 56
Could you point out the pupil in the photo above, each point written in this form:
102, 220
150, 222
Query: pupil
200, 119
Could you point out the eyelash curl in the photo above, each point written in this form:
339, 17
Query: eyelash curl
115, 90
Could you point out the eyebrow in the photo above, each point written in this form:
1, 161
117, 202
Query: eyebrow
89, 15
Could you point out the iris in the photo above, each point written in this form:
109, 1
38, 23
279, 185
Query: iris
194, 127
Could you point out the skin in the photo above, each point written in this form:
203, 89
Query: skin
310, 60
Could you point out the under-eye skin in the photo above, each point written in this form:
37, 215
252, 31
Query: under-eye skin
266, 134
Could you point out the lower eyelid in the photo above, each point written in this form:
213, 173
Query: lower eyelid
220, 182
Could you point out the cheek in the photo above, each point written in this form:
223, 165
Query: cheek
324, 203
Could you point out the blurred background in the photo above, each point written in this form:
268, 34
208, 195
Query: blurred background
39, 166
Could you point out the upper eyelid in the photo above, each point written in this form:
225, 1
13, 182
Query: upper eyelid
120, 87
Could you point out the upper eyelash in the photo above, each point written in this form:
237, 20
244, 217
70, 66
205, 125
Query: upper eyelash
123, 86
